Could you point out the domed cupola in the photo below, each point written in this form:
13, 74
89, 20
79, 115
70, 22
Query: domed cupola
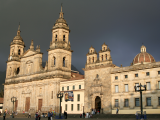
143, 56
61, 22
18, 39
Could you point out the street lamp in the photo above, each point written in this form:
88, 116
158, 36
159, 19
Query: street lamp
60, 95
13, 99
140, 90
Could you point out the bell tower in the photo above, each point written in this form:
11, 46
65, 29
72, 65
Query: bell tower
60, 53
16, 51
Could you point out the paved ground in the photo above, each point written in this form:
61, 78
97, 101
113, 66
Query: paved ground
69, 119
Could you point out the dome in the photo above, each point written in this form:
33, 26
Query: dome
61, 20
143, 56
17, 37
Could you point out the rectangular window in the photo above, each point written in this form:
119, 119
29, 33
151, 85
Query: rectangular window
126, 102
79, 86
67, 87
137, 102
52, 95
116, 88
148, 86
158, 72
65, 107
137, 84
71, 107
136, 75
148, 101
158, 84
116, 77
126, 87
78, 97
62, 88
73, 87
126, 76
147, 73
116, 103
159, 101
78, 107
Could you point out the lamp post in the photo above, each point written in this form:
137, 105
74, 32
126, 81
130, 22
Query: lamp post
60, 95
140, 90
13, 99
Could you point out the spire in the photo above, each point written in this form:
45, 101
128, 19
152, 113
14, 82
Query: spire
61, 13
18, 31
19, 26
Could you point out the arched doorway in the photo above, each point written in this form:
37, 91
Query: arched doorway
98, 103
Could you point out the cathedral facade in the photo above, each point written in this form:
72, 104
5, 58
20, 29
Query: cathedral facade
104, 86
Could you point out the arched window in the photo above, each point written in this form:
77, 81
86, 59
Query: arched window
17, 70
104, 48
106, 56
89, 60
93, 59
19, 52
91, 51
102, 57
63, 37
63, 61
54, 61
56, 38
10, 71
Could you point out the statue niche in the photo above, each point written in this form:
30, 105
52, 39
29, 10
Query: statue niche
29, 65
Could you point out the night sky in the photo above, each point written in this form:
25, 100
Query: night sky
122, 24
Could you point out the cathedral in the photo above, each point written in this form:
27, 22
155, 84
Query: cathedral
104, 86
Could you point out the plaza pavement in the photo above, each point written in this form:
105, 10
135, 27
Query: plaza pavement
75, 119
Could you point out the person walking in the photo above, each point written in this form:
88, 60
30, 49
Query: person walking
29, 115
51, 115
39, 115
4, 115
117, 111
48, 115
64, 114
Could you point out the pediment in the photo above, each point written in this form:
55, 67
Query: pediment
29, 53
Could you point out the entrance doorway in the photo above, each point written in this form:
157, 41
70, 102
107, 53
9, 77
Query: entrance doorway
98, 103
27, 106
39, 104
16, 104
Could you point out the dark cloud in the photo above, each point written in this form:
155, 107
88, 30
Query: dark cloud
122, 24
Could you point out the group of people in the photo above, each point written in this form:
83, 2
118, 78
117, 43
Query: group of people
50, 115
37, 115
94, 111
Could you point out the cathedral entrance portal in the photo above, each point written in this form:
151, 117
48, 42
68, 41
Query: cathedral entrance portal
98, 103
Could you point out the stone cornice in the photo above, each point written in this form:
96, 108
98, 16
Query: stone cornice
99, 66
136, 67
91, 53
60, 27
39, 72
39, 78
104, 50
60, 48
